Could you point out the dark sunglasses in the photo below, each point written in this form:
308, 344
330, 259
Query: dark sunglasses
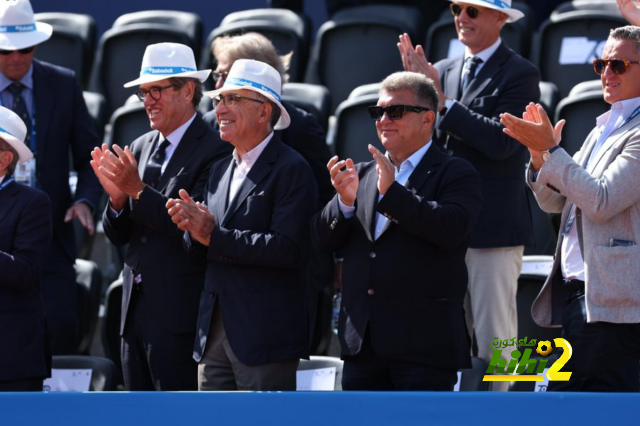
618, 66
456, 9
22, 51
220, 75
394, 112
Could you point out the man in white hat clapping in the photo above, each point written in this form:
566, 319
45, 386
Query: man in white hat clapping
489, 79
254, 232
162, 284
25, 219
49, 100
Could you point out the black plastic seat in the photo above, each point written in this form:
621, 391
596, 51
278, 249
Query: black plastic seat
355, 130
580, 111
128, 123
312, 98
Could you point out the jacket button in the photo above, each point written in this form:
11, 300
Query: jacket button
371, 292
372, 255
211, 293
143, 239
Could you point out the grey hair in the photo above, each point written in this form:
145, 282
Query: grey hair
198, 90
423, 87
629, 32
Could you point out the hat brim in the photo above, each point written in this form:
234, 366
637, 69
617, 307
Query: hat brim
512, 14
283, 122
16, 41
24, 153
201, 75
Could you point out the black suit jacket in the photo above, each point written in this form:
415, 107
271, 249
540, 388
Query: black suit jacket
63, 124
257, 258
25, 238
172, 280
407, 286
471, 130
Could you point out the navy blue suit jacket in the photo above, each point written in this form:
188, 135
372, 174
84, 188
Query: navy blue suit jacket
257, 258
471, 130
408, 285
25, 238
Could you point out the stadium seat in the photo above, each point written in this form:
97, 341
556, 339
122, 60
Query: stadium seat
97, 106
535, 270
567, 43
103, 372
120, 54
316, 362
549, 97
128, 123
608, 6
586, 86
110, 333
189, 23
354, 129
72, 43
312, 98
358, 46
580, 111
89, 279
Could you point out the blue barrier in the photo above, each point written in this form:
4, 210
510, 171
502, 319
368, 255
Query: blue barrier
316, 408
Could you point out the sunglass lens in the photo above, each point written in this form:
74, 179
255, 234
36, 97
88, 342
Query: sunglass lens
456, 9
618, 66
395, 112
599, 65
376, 112
472, 12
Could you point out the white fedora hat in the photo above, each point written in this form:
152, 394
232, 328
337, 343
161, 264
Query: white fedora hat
167, 60
13, 131
18, 28
503, 6
258, 77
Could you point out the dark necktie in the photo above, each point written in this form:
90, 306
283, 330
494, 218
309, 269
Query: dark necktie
20, 108
469, 73
154, 166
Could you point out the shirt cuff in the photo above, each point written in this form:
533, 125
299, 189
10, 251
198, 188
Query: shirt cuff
347, 211
113, 213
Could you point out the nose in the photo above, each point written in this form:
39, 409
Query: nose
148, 100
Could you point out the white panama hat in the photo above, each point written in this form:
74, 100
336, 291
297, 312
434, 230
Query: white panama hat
258, 77
168, 60
503, 6
18, 28
13, 131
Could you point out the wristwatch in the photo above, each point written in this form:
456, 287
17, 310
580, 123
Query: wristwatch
546, 154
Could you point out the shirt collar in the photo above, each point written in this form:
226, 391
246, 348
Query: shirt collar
26, 80
622, 108
486, 54
414, 159
175, 137
251, 157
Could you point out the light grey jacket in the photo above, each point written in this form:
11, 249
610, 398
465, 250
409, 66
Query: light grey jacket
608, 206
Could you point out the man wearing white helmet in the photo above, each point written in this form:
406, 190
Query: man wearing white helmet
474, 89
254, 232
162, 284
25, 238
49, 100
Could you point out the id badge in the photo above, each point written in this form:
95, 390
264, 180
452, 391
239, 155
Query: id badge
25, 173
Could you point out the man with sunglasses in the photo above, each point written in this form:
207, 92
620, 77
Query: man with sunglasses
161, 283
49, 100
592, 290
402, 222
474, 89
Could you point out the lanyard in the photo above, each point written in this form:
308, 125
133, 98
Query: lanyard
5, 183
631, 117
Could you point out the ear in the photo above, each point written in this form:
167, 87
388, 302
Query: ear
189, 90
6, 157
265, 112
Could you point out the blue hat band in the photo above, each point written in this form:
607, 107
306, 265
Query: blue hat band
165, 70
26, 28
500, 4
6, 131
249, 83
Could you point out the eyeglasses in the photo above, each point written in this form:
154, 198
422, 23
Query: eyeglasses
232, 99
618, 66
24, 51
220, 75
154, 92
472, 12
394, 112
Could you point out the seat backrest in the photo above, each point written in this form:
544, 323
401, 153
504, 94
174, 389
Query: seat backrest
359, 46
365, 90
110, 332
317, 362
471, 379
97, 106
103, 370
128, 123
567, 43
72, 44
119, 57
549, 97
609, 6
586, 86
355, 129
89, 280
312, 98
188, 22
581, 112
284, 39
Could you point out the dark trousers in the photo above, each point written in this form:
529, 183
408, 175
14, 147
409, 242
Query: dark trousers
604, 355
369, 371
23, 385
153, 359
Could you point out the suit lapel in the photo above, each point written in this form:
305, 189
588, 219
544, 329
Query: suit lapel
612, 139
367, 200
43, 99
260, 169
223, 191
185, 149
146, 153
486, 74
452, 77
8, 199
